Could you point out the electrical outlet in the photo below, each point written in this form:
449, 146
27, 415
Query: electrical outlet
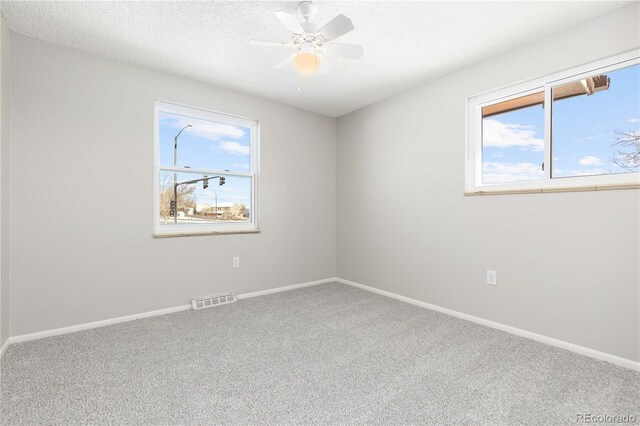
492, 277
236, 262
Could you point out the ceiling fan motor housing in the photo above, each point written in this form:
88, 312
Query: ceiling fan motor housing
307, 10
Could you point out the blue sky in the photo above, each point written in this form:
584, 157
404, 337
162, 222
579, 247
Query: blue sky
583, 130
513, 146
208, 145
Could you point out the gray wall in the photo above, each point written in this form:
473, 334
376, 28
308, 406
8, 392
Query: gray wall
82, 148
5, 65
567, 263
82, 127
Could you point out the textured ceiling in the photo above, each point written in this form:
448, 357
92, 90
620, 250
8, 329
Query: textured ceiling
406, 43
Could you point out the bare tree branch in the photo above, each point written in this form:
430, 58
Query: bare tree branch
628, 155
186, 197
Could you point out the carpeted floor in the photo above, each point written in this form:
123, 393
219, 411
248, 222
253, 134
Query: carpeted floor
328, 354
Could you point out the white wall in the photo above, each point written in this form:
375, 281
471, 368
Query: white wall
82, 194
5, 64
568, 264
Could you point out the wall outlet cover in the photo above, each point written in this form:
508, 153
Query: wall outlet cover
492, 277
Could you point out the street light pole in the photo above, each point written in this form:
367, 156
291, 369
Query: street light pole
175, 175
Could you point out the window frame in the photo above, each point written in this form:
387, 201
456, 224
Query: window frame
170, 230
473, 154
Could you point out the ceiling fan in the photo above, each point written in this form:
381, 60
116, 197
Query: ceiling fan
312, 45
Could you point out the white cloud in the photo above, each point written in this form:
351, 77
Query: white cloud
232, 148
498, 172
502, 135
634, 120
202, 128
590, 161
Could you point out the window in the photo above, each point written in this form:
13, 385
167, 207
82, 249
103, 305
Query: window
578, 129
205, 172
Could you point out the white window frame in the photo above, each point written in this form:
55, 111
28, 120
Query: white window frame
164, 230
473, 170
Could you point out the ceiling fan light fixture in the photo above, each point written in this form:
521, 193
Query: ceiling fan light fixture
310, 42
307, 63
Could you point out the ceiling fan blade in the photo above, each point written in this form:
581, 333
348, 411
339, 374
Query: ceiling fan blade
288, 61
337, 27
267, 43
345, 50
325, 66
290, 21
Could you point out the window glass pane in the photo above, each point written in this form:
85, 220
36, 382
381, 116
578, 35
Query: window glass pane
513, 140
205, 145
596, 125
228, 203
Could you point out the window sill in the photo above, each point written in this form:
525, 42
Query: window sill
558, 189
200, 234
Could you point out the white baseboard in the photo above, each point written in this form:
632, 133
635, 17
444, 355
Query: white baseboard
4, 347
96, 324
285, 288
623, 362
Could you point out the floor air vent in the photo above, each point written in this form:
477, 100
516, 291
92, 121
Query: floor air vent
207, 302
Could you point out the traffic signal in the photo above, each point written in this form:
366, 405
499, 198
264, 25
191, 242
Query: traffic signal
205, 183
172, 208
221, 180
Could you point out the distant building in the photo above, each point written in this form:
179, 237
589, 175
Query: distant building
226, 211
